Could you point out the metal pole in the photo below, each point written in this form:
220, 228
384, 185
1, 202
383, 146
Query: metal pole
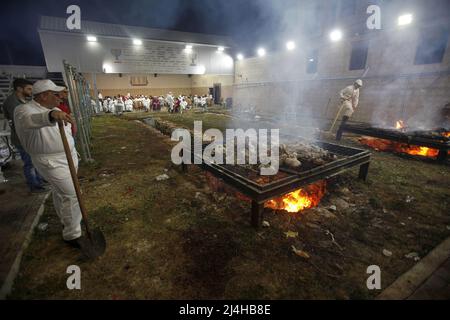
73, 104
94, 82
76, 110
80, 103
84, 109
83, 115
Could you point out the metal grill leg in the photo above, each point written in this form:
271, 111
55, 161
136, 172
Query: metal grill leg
183, 165
442, 156
257, 214
363, 171
341, 128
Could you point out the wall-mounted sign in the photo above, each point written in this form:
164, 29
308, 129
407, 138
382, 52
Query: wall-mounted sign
116, 55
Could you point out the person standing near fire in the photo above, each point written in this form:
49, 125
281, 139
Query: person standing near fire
348, 104
37, 129
64, 107
170, 101
21, 95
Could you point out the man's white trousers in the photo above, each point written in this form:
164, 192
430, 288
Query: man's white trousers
55, 169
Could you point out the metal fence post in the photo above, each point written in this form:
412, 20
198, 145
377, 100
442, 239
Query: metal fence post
78, 105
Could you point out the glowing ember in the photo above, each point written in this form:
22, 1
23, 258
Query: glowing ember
392, 146
299, 200
446, 134
422, 151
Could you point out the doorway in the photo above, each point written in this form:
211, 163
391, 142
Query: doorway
217, 93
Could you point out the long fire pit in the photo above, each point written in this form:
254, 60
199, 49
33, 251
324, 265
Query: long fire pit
432, 143
261, 189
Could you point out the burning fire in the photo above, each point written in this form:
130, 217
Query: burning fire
392, 146
296, 201
299, 200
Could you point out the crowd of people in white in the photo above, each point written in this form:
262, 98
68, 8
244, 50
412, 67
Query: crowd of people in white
173, 104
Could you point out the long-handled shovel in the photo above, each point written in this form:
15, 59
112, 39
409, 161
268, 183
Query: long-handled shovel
335, 119
95, 245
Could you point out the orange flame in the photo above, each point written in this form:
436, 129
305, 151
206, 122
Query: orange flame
392, 146
299, 200
446, 134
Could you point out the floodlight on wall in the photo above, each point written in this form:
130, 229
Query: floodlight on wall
240, 56
336, 35
228, 61
290, 45
188, 48
221, 49
201, 69
137, 42
261, 52
91, 39
405, 19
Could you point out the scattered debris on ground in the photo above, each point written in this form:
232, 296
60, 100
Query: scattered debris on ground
182, 240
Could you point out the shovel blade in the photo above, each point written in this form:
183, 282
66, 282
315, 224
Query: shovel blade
95, 246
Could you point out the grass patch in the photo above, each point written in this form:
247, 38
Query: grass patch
176, 239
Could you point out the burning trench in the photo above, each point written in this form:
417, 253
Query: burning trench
434, 144
397, 147
294, 202
301, 156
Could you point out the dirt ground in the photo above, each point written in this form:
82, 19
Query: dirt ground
176, 239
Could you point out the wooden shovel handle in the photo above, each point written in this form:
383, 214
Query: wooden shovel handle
73, 173
335, 119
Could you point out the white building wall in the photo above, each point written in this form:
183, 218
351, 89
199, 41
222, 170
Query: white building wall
395, 88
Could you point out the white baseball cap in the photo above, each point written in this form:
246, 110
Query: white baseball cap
45, 85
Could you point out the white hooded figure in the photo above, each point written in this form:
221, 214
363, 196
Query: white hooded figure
105, 105
111, 105
94, 106
161, 101
146, 103
119, 106
350, 98
129, 105
203, 102
349, 103
183, 105
170, 101
196, 101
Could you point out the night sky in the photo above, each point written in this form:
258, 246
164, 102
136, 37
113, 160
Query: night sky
248, 22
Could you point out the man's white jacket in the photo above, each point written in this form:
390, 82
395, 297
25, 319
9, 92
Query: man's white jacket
349, 100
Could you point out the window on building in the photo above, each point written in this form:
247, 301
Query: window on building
313, 20
312, 61
432, 45
333, 12
358, 58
